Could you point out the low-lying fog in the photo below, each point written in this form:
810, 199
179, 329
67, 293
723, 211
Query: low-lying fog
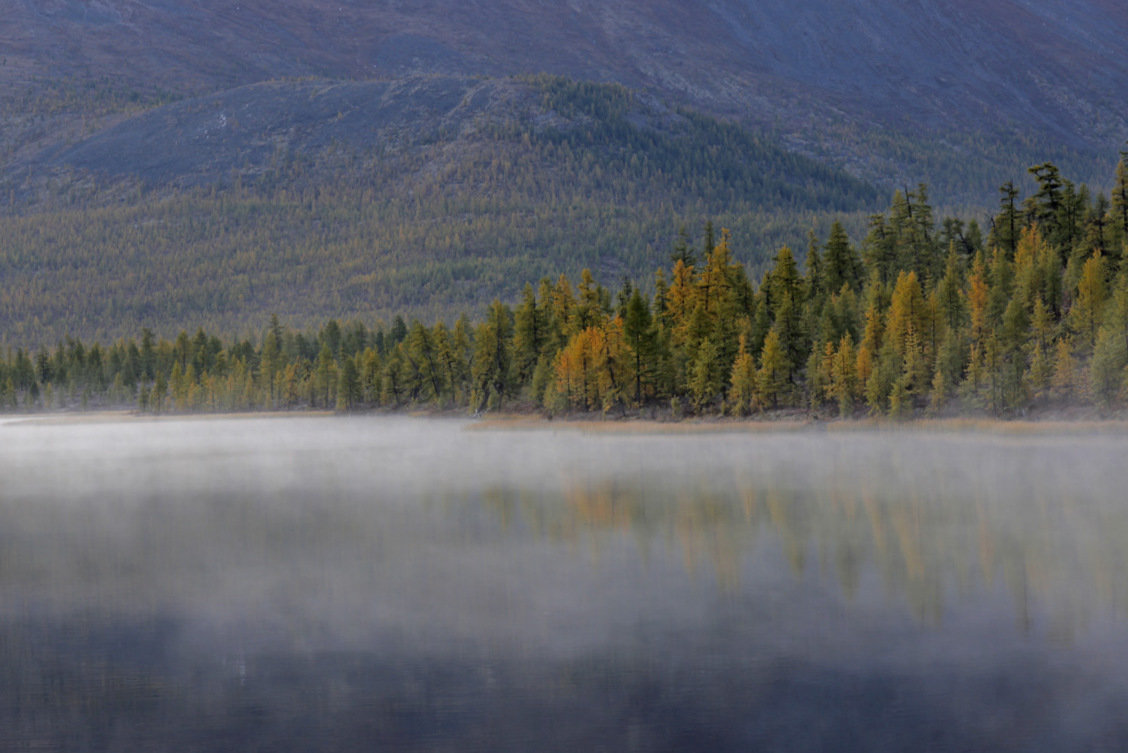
700, 570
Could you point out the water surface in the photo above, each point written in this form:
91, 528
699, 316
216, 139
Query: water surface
337, 584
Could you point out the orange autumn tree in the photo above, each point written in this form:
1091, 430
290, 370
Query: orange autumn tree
593, 371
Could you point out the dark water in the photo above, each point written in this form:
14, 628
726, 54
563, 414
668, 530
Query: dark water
315, 584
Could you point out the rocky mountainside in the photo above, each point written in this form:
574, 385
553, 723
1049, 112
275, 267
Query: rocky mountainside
400, 135
889, 90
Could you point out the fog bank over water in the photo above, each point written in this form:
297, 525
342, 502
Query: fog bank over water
500, 583
140, 514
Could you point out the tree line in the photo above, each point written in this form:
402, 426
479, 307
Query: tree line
923, 316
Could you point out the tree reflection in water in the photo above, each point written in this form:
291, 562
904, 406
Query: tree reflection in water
345, 585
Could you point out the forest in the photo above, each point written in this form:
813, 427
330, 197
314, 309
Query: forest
923, 316
376, 213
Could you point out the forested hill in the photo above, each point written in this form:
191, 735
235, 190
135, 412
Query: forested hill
424, 196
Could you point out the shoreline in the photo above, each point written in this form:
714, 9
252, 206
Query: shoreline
110, 415
1002, 427
783, 423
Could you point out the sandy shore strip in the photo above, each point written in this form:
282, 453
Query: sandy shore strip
121, 416
520, 422
631, 425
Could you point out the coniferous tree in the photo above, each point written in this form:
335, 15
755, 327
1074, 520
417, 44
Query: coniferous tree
1041, 357
742, 380
1120, 199
423, 355
638, 327
786, 296
563, 311
490, 370
844, 377
1084, 316
271, 358
816, 283
588, 311
682, 251
370, 378
1005, 226
1107, 370
879, 250
348, 385
841, 265
394, 380
1065, 370
704, 383
772, 377
1044, 207
326, 376
528, 336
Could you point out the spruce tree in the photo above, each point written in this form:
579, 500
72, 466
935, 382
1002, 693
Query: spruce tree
348, 385
1120, 197
638, 327
490, 370
841, 265
1005, 225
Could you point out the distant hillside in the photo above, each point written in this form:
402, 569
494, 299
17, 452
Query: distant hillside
426, 196
444, 134
174, 164
950, 93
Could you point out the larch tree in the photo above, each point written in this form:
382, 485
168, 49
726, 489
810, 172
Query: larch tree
978, 296
844, 377
1065, 370
1041, 358
423, 354
563, 307
772, 378
908, 313
579, 379
742, 380
705, 382
588, 311
1107, 370
1084, 316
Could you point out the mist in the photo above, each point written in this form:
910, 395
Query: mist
559, 568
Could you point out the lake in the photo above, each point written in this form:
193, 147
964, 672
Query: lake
394, 583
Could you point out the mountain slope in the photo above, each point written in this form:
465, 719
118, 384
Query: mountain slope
885, 88
173, 164
424, 196
411, 130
